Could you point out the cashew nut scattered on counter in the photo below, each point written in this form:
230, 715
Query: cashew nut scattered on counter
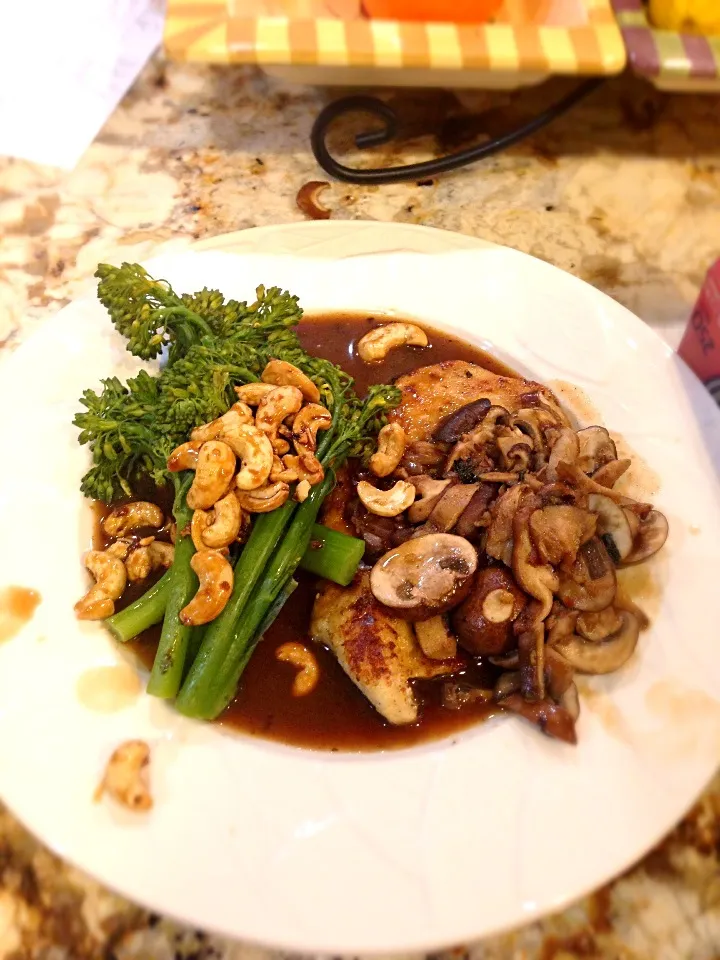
255, 451
279, 403
386, 503
132, 516
126, 776
284, 374
252, 393
378, 342
213, 475
184, 457
312, 418
110, 581
390, 449
215, 574
265, 499
299, 656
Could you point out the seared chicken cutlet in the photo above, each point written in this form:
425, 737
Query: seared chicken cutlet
429, 394
378, 652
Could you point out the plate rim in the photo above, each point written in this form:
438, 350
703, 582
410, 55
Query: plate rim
471, 243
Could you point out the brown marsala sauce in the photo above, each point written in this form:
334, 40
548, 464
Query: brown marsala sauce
335, 716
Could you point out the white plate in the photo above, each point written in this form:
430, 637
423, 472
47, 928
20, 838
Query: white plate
348, 853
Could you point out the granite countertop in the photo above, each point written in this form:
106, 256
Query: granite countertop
624, 192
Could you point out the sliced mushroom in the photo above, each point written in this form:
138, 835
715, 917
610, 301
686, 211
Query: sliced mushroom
515, 449
539, 580
598, 626
551, 718
570, 701
500, 532
596, 448
565, 450
462, 421
558, 674
483, 623
476, 514
450, 506
308, 200
429, 491
506, 684
425, 576
471, 445
592, 584
421, 456
527, 421
605, 656
612, 523
436, 639
559, 530
609, 474
651, 536
531, 657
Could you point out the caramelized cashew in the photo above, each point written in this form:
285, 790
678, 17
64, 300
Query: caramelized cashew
284, 374
215, 574
213, 475
225, 425
312, 418
125, 777
217, 528
110, 581
306, 467
387, 503
161, 554
302, 491
184, 457
390, 449
265, 499
281, 472
377, 343
256, 456
138, 564
299, 656
252, 393
279, 403
132, 516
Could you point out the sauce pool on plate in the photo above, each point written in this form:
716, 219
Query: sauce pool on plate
335, 716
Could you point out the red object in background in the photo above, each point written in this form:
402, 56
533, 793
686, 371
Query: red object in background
700, 347
457, 11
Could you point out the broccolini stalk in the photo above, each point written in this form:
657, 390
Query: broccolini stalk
167, 670
230, 640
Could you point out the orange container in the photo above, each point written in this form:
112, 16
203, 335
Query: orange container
459, 11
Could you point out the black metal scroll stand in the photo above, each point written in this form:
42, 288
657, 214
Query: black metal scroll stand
428, 168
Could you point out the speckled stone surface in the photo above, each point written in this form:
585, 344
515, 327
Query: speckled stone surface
624, 192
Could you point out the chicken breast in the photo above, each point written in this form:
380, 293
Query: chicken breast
429, 394
379, 653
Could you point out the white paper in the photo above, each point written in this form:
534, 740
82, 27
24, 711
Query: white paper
64, 66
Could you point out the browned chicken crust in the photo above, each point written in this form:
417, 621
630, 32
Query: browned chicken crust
429, 394
378, 652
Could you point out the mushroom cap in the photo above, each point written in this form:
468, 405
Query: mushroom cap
424, 576
478, 623
651, 536
604, 656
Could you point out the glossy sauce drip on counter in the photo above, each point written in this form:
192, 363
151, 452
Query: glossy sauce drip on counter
336, 716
